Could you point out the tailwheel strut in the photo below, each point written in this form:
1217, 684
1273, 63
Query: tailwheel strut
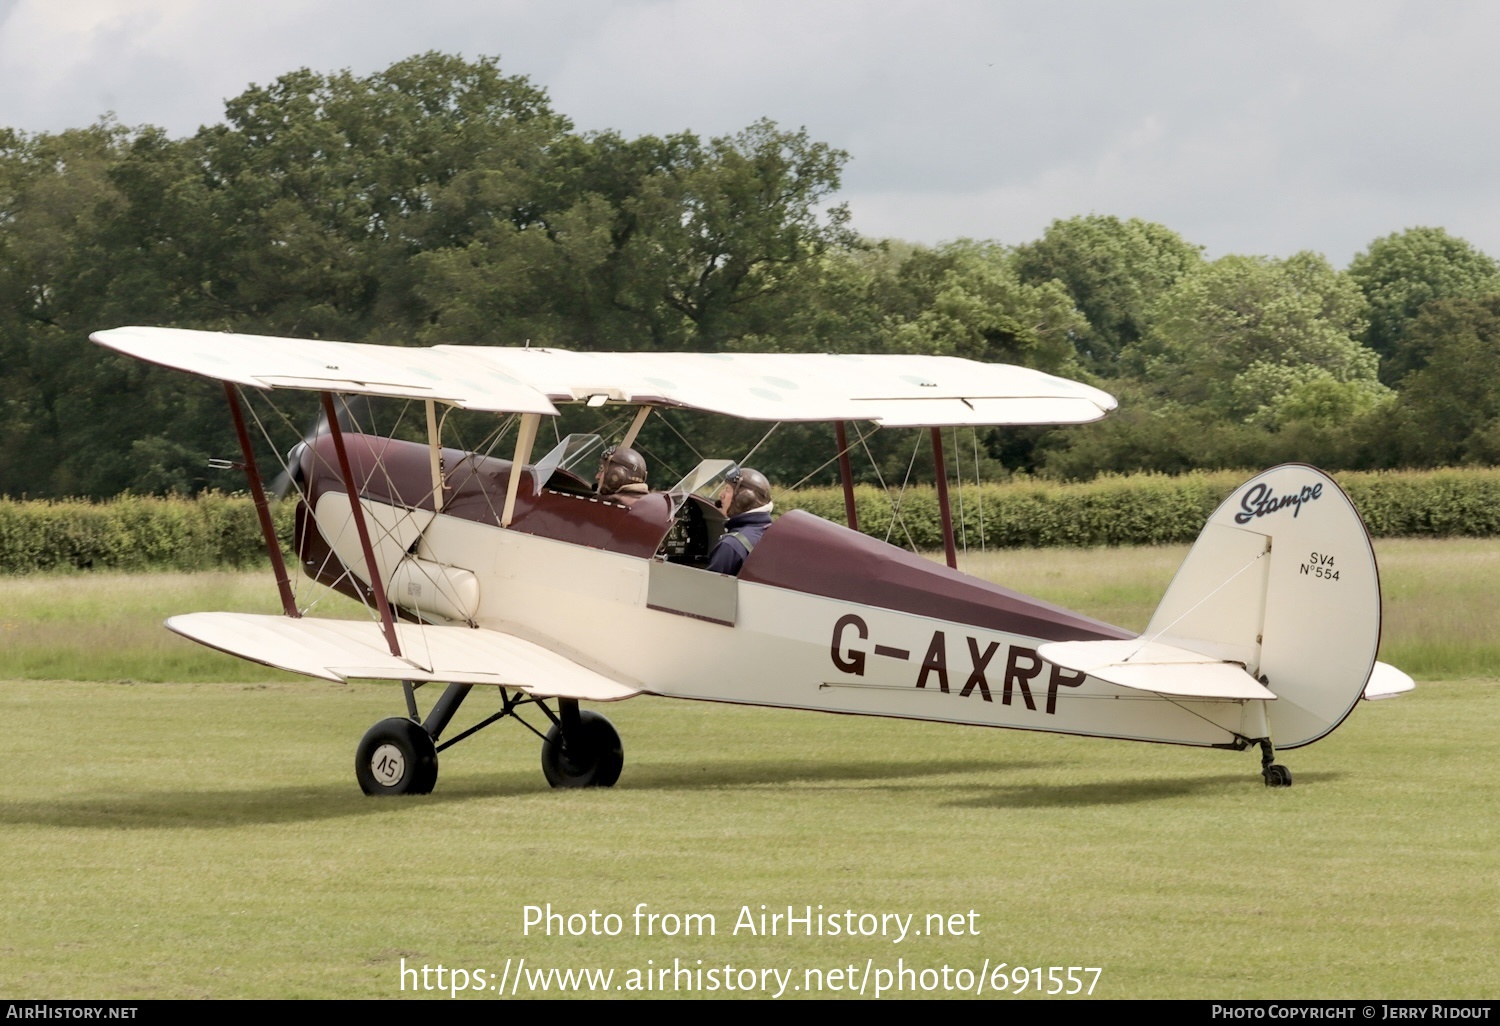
1275, 774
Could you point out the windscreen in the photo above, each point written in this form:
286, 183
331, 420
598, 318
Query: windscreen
569, 454
705, 480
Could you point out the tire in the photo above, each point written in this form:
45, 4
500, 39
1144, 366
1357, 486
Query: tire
1277, 775
396, 756
592, 758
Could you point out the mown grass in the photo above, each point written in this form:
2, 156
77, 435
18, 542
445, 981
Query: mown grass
108, 626
208, 841
197, 839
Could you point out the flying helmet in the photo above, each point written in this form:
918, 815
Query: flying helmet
751, 489
620, 466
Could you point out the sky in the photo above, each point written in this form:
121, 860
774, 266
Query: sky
1262, 127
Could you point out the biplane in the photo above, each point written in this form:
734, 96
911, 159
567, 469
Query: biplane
514, 573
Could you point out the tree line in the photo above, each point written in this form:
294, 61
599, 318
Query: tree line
441, 200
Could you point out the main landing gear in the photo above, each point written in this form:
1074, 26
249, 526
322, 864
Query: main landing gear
400, 755
585, 752
396, 756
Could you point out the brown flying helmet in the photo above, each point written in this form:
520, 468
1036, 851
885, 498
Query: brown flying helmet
619, 468
751, 489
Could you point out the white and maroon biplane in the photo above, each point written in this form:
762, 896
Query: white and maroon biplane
515, 573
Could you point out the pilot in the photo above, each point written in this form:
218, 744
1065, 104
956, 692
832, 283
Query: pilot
622, 475
746, 501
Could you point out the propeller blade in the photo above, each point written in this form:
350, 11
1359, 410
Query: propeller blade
354, 413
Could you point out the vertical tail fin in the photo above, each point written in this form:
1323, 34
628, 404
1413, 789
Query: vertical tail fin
1283, 580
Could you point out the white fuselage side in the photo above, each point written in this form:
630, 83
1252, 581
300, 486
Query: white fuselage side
794, 650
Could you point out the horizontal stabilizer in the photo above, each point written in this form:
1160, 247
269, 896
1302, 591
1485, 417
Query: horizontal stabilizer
1387, 682
1157, 667
339, 650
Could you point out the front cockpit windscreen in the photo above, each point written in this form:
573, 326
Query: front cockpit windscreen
572, 453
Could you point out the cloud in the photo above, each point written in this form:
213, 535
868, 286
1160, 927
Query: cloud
1246, 126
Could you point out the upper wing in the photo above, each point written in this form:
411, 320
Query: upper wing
353, 367
893, 390
343, 649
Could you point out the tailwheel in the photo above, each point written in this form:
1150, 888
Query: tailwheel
1275, 774
396, 756
582, 750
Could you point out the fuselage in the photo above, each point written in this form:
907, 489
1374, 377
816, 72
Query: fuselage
820, 617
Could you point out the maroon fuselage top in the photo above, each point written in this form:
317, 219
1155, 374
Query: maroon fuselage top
799, 552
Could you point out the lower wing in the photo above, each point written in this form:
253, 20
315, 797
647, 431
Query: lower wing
339, 650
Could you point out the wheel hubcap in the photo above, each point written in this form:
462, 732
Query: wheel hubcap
387, 765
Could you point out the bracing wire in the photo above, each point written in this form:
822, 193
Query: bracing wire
895, 512
662, 414
381, 532
493, 438
896, 509
656, 458
347, 574
835, 458
609, 427
1226, 582
407, 516
743, 459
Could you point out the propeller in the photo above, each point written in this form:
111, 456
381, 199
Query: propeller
354, 414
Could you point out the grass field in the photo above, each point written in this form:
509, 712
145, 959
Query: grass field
203, 836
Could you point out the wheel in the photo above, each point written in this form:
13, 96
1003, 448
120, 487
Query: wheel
593, 757
396, 756
1277, 775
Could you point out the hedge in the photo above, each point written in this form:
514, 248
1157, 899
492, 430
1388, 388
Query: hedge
1147, 509
216, 531
134, 532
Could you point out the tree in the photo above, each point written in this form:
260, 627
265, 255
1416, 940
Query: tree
965, 299
57, 208
728, 226
1242, 336
438, 200
669, 243
300, 213
1115, 271
1448, 410
1402, 272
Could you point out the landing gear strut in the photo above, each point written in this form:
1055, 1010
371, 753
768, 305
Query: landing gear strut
399, 755
1276, 775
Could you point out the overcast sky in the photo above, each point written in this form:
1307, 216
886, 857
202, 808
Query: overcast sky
1248, 127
